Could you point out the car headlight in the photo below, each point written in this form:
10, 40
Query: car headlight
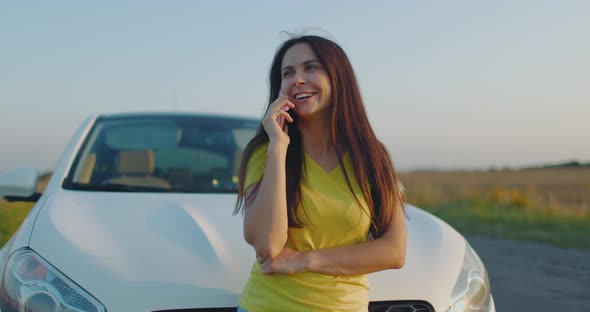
472, 289
30, 283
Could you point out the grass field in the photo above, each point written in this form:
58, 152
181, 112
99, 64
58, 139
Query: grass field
550, 205
11, 216
559, 189
546, 205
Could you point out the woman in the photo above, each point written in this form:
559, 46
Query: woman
316, 230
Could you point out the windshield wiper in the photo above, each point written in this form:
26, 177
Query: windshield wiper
115, 187
118, 187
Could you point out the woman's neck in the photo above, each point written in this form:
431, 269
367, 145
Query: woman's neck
315, 134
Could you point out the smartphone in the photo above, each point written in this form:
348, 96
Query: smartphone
281, 119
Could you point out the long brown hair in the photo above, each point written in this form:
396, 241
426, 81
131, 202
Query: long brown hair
350, 132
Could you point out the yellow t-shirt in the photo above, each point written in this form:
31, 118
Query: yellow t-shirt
335, 219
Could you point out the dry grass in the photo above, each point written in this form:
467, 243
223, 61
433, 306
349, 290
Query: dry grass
11, 216
546, 205
563, 190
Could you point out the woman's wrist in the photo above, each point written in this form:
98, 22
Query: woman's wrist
277, 149
307, 260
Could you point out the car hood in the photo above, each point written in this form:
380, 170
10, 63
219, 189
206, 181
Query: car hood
148, 252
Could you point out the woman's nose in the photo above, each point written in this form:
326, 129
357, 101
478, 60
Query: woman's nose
299, 79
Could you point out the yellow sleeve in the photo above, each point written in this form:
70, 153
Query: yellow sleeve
256, 165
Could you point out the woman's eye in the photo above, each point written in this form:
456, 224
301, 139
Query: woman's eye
312, 67
287, 74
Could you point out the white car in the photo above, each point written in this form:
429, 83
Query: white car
137, 217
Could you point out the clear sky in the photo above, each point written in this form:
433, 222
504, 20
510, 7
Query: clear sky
447, 84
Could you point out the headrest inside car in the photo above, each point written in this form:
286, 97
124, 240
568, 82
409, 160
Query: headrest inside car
136, 162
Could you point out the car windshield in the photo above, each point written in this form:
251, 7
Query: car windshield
153, 153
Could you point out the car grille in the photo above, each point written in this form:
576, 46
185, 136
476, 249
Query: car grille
400, 306
202, 310
376, 306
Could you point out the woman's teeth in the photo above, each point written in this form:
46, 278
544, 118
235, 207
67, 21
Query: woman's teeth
303, 96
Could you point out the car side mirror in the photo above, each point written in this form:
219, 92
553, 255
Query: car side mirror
19, 185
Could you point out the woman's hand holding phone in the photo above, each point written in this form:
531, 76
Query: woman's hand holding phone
276, 118
281, 119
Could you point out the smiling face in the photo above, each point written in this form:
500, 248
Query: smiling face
305, 81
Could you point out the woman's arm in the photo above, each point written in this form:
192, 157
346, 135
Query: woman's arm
386, 252
265, 217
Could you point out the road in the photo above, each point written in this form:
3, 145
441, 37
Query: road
533, 277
